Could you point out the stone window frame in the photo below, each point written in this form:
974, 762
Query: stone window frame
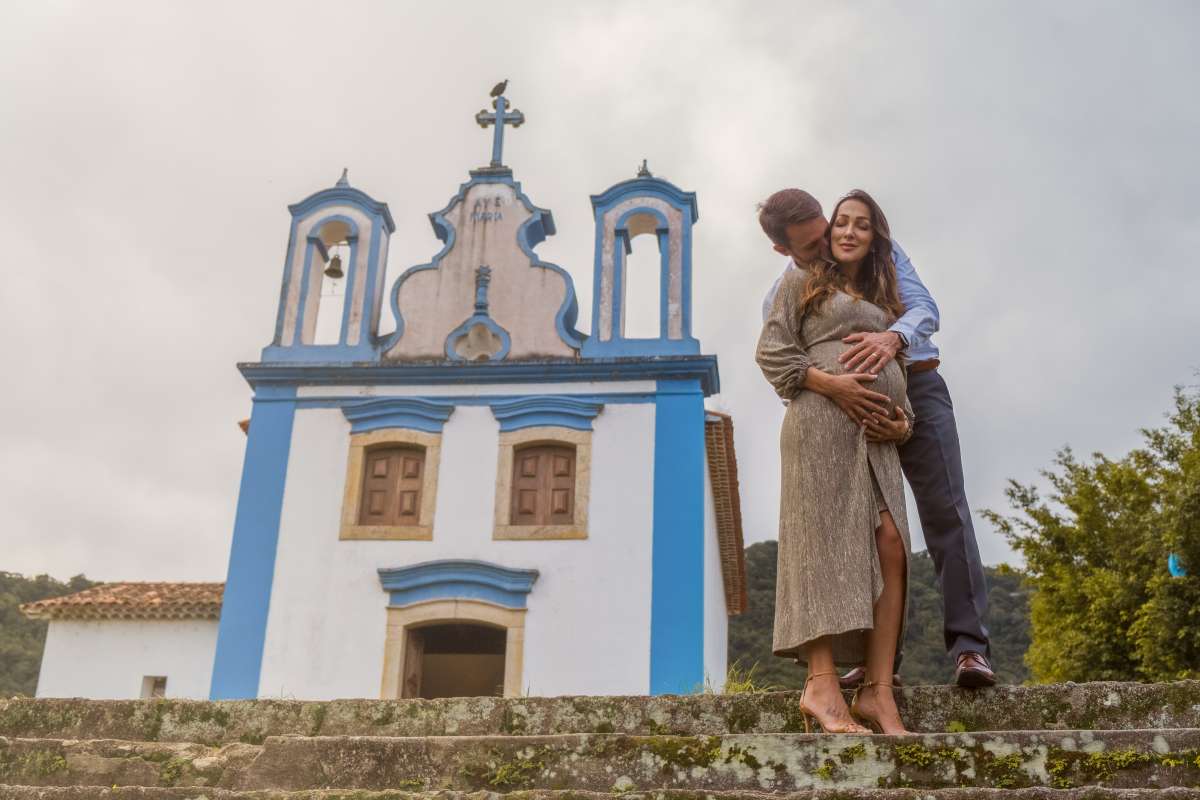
433, 612
351, 529
543, 434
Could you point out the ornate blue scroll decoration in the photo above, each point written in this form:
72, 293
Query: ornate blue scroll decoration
458, 579
553, 410
483, 278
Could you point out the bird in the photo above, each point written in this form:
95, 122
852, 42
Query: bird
499, 88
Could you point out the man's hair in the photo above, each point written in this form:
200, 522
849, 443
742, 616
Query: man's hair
786, 207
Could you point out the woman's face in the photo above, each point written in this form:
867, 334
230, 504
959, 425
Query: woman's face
850, 233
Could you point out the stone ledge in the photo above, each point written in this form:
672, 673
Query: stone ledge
931, 709
180, 793
614, 763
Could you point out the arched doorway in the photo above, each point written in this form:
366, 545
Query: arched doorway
458, 659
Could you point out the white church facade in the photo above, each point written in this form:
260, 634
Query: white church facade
483, 501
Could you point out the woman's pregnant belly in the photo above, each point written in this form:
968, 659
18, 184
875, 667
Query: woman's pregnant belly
890, 381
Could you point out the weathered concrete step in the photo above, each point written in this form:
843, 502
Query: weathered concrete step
183, 793
933, 709
620, 763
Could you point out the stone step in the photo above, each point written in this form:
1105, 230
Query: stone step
621, 763
932, 709
186, 793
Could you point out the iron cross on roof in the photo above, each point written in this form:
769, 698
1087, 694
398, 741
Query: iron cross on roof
500, 118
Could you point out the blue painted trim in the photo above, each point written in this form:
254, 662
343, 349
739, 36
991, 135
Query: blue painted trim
344, 194
330, 373
617, 345
677, 550
398, 412
611, 398
454, 579
651, 185
241, 634
531, 233
553, 410
487, 322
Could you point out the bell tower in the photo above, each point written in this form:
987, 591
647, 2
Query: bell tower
332, 290
652, 207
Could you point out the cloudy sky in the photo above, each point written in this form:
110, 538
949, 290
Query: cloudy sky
1037, 160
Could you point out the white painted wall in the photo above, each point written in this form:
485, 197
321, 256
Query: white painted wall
107, 659
716, 618
588, 624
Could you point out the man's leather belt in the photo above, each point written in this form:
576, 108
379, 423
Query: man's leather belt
923, 366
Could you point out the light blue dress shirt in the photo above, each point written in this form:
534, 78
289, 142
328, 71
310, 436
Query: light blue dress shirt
921, 320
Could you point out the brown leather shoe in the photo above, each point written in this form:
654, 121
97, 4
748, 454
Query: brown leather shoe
854, 678
973, 671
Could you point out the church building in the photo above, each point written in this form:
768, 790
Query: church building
481, 501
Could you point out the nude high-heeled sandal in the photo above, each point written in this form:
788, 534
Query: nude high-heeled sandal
835, 727
867, 718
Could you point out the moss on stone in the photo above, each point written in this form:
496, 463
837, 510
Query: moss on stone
955, 726
914, 755
172, 770
685, 751
42, 763
252, 737
498, 773
1005, 772
825, 771
743, 755
604, 726
743, 715
851, 754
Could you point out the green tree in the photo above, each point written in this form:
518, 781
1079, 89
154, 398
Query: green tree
1104, 606
21, 639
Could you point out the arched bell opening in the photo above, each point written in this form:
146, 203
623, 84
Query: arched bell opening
334, 244
641, 280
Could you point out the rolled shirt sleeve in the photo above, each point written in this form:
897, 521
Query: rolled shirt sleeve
922, 319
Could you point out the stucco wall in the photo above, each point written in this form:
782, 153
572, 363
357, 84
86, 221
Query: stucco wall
107, 659
588, 624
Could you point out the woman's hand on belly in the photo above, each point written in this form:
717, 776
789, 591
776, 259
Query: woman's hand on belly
849, 393
887, 429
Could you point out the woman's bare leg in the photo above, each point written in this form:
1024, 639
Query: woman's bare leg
877, 702
822, 696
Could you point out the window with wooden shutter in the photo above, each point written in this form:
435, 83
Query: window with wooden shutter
543, 485
391, 491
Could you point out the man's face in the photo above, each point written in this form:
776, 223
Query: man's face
805, 240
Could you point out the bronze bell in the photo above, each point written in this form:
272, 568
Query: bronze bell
334, 270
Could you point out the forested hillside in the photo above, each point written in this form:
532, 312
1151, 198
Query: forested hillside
925, 659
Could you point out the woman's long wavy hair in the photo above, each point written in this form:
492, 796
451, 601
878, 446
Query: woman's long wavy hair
876, 281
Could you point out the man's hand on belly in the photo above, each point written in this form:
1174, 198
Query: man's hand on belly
871, 351
849, 393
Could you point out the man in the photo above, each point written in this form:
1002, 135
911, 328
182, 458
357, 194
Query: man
794, 222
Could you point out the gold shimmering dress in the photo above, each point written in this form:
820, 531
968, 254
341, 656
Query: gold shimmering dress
829, 575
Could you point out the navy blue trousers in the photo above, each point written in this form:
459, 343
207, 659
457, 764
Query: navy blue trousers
932, 464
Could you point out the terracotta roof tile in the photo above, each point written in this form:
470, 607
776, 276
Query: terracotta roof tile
133, 601
723, 475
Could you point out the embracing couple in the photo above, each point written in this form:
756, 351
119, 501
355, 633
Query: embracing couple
846, 343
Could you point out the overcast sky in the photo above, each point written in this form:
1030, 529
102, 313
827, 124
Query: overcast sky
1038, 161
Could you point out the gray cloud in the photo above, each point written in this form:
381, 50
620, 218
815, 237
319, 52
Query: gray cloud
1039, 165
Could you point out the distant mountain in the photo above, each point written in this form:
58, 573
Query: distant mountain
21, 640
925, 659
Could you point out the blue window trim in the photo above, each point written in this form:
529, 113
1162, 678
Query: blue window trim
677, 550
398, 412
457, 579
553, 410
241, 633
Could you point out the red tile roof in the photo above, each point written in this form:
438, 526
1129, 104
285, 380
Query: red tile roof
723, 475
133, 601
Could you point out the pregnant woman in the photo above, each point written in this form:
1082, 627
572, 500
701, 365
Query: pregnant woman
843, 531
